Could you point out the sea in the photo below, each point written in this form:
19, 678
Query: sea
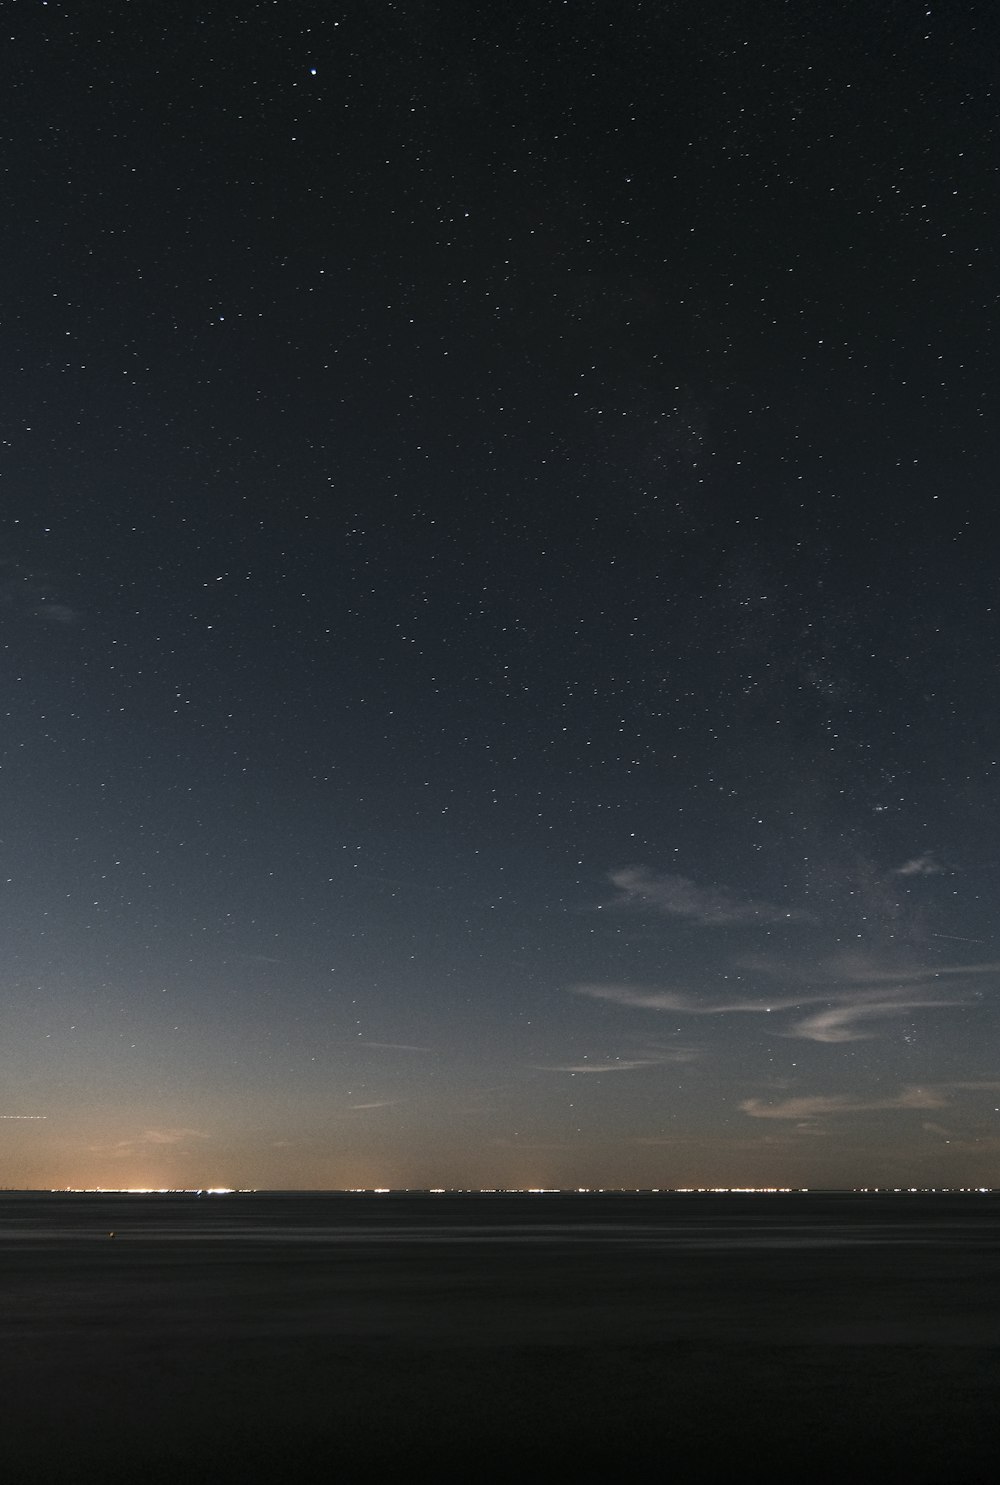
290, 1335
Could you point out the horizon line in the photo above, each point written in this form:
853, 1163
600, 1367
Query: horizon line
496, 1190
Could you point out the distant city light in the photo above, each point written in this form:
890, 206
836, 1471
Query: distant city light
149, 1190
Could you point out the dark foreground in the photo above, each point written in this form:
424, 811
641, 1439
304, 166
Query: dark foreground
296, 1338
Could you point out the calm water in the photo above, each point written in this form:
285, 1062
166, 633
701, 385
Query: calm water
695, 1221
289, 1336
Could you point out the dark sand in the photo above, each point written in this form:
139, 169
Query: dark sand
487, 1341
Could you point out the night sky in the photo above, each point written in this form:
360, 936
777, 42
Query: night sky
499, 594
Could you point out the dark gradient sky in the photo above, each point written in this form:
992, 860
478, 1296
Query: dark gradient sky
499, 594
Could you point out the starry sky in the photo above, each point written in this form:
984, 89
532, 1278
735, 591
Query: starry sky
499, 594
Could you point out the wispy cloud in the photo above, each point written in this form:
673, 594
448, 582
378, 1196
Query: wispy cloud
33, 593
57, 613
813, 1106
394, 1047
660, 1058
150, 1138
616, 1065
838, 1021
169, 1136
926, 865
503, 1143
862, 971
671, 1000
669, 1139
679, 897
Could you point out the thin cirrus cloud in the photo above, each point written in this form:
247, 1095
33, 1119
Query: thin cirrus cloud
671, 1000
926, 865
851, 974
394, 1047
616, 1065
661, 1058
679, 897
57, 613
170, 1136
150, 1138
813, 1106
861, 972
836, 1022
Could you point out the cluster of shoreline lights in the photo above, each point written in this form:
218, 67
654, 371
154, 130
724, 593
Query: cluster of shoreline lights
440, 1190
532, 1191
150, 1191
